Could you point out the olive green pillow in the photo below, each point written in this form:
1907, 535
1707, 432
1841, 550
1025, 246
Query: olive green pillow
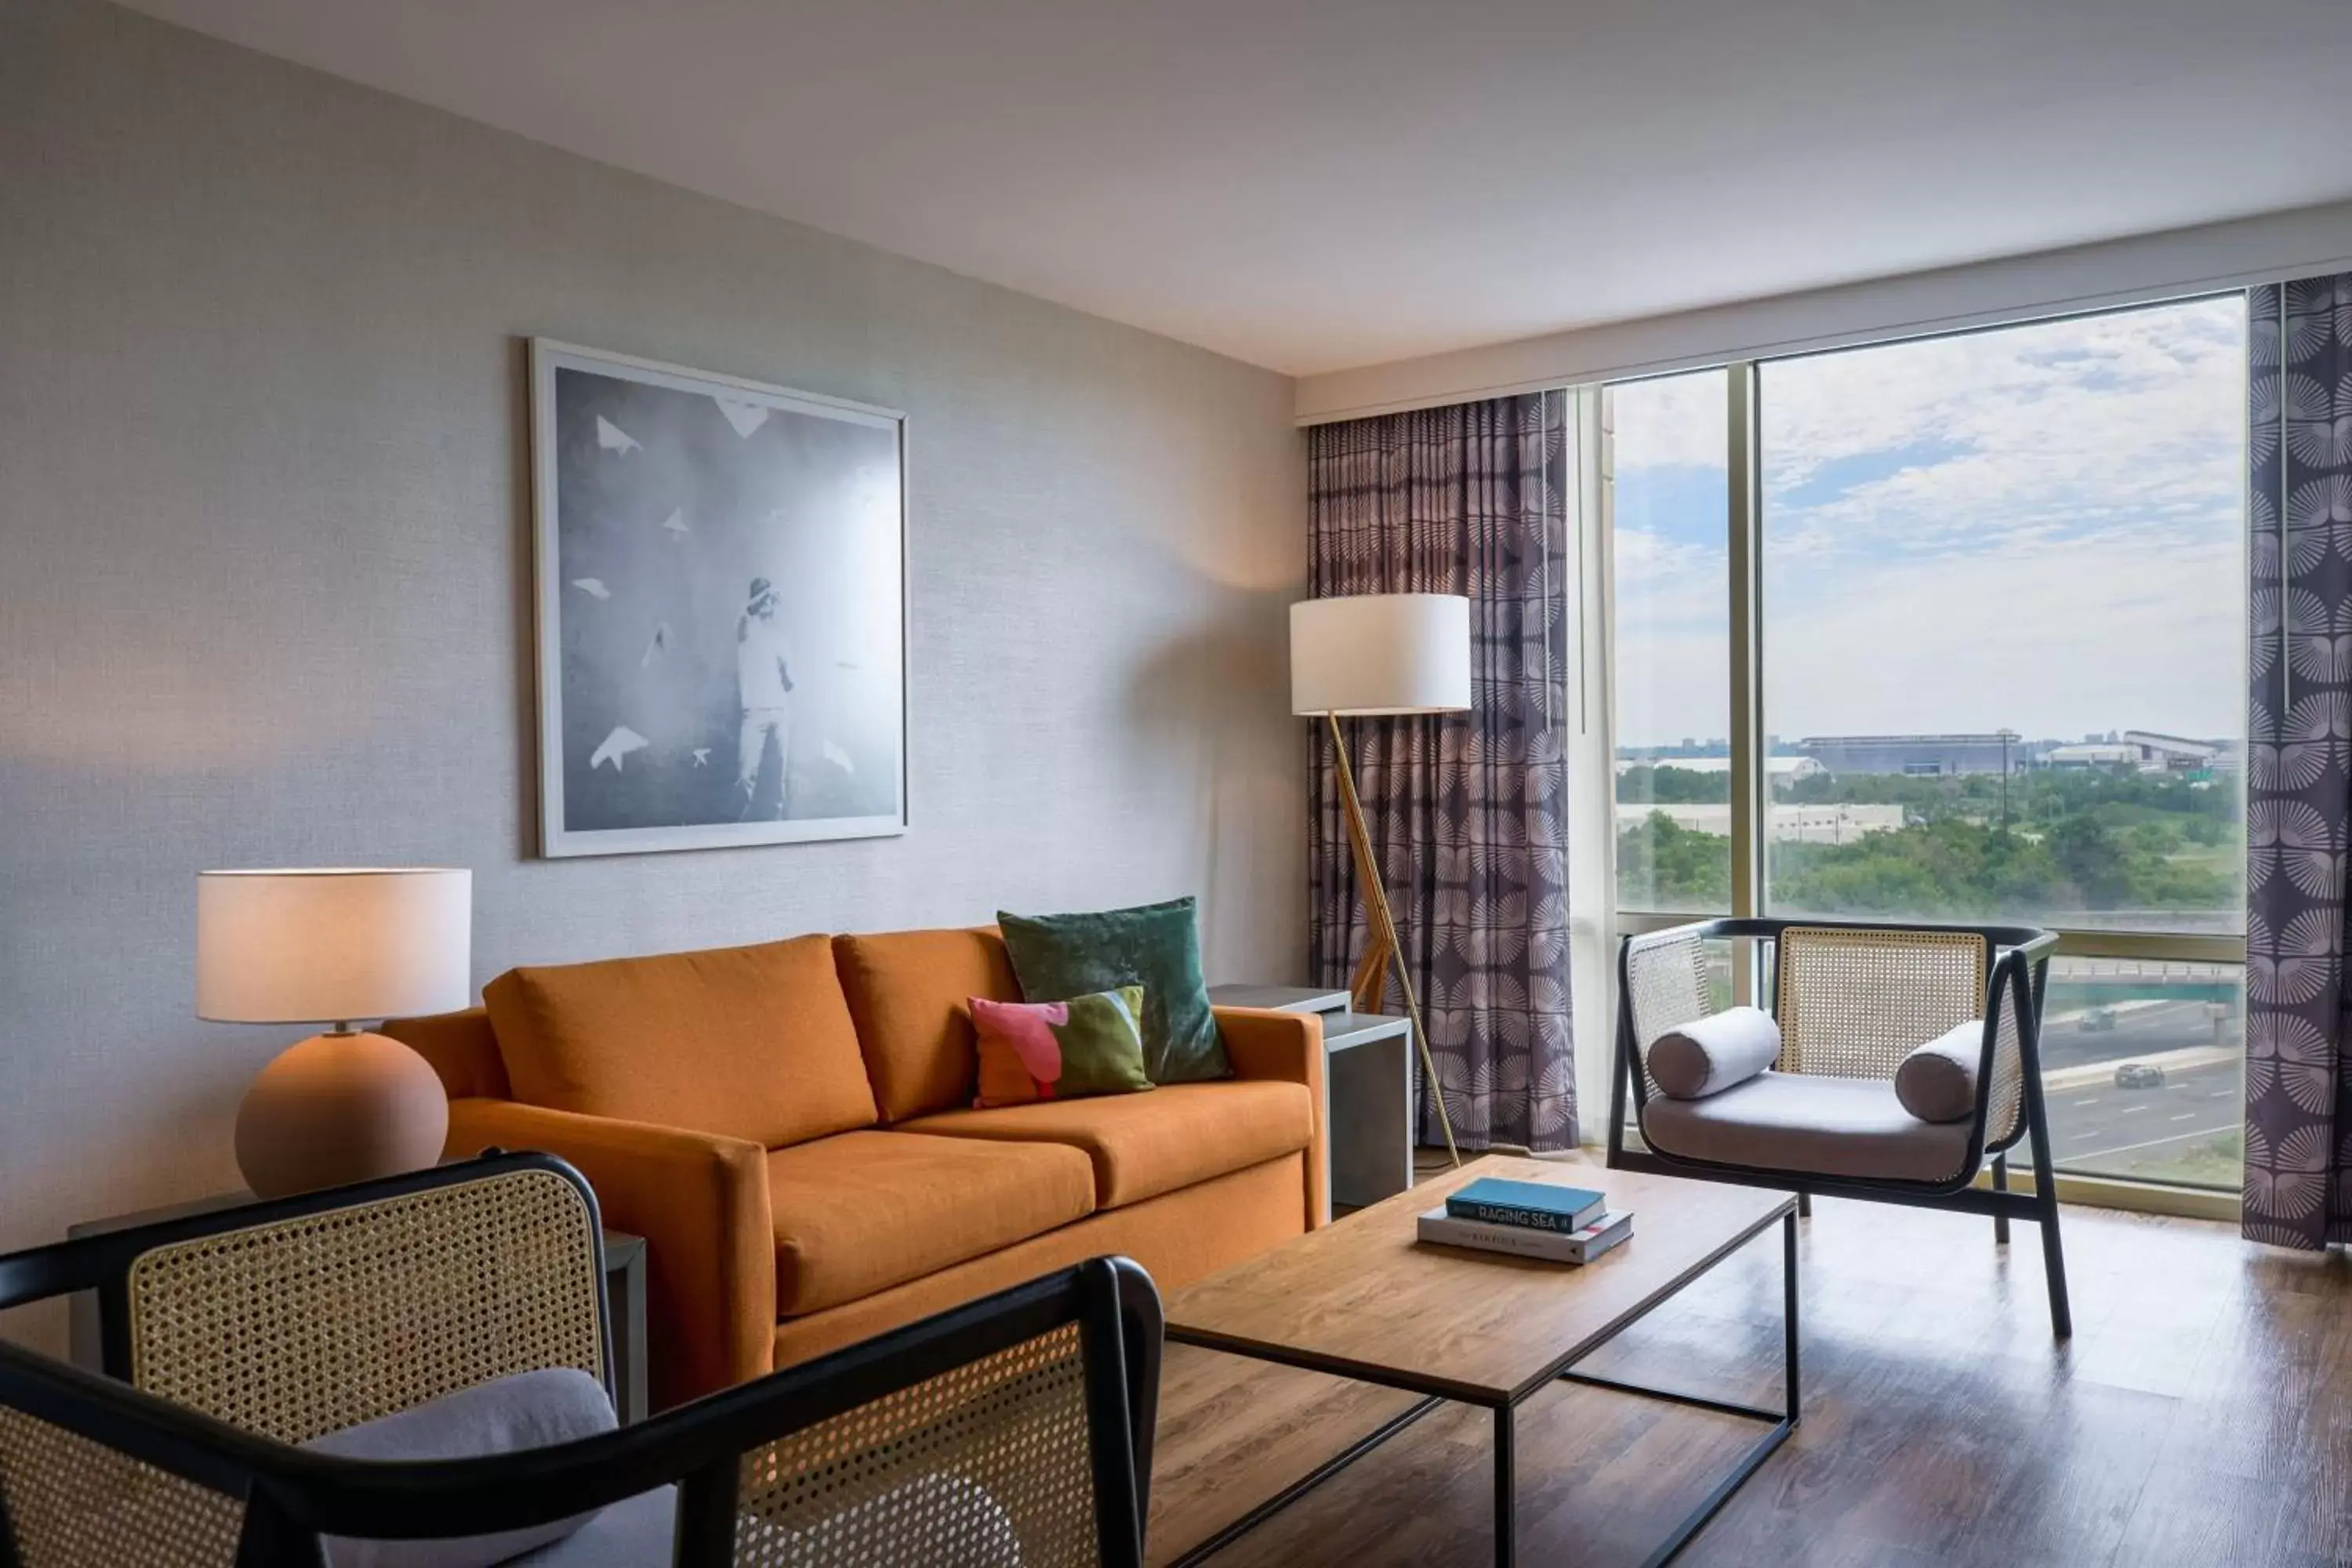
1156, 946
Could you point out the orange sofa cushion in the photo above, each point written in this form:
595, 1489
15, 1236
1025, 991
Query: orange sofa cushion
743, 1042
865, 1211
1141, 1146
908, 991
1179, 1237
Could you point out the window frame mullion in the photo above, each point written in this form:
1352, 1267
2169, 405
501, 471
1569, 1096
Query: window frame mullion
1750, 784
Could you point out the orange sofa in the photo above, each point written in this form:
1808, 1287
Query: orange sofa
790, 1128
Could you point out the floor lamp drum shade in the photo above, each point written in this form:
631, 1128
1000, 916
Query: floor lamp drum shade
332, 947
1370, 654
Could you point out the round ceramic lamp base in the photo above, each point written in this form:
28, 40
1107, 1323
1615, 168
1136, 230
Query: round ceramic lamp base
338, 1109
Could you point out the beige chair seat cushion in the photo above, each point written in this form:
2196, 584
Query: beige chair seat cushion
1142, 1145
861, 1212
1809, 1124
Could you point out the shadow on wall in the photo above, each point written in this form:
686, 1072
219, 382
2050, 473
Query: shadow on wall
1221, 527
1182, 700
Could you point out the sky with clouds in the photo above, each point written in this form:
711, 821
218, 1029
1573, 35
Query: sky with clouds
2041, 527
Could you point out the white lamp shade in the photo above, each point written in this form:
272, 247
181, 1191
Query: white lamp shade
332, 946
1381, 653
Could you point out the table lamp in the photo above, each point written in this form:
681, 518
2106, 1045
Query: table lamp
328, 947
1369, 656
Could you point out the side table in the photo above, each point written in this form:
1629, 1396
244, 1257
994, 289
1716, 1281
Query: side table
1367, 1089
625, 1298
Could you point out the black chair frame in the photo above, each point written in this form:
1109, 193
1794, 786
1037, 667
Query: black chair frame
293, 1497
2018, 978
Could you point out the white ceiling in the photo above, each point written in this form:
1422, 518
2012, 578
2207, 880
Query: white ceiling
1314, 184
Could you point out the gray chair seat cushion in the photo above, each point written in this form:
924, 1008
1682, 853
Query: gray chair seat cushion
1808, 1124
540, 1409
635, 1532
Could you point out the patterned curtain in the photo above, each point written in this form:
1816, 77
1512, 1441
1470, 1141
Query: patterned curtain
2298, 1188
1467, 812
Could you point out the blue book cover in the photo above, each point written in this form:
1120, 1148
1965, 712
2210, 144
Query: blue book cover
1534, 1206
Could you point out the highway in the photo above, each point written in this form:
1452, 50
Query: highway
2099, 1128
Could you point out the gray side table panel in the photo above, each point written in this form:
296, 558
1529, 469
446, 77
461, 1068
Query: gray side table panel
1281, 998
1368, 1092
1367, 1089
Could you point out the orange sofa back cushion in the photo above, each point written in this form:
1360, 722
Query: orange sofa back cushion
463, 1048
742, 1042
909, 992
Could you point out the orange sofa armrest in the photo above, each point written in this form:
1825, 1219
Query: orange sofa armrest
701, 1203
1285, 1048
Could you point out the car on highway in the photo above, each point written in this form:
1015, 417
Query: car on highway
2139, 1075
2097, 1021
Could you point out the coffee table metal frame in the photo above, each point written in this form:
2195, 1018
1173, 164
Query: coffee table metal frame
1780, 1423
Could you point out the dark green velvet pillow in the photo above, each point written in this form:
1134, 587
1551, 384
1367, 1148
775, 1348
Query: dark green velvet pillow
1156, 946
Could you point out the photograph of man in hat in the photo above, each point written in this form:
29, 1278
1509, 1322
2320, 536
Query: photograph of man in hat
764, 684
717, 563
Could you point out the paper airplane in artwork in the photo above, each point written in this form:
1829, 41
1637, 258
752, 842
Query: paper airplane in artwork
838, 758
618, 744
659, 643
613, 439
745, 416
593, 586
676, 522
701, 756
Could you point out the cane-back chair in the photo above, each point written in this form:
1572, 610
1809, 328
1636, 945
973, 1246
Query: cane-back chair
1014, 1429
1851, 1002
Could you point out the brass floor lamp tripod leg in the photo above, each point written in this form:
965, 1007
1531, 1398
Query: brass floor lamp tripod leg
1369, 976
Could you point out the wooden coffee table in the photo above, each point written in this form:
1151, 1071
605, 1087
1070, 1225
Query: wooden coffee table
1362, 1299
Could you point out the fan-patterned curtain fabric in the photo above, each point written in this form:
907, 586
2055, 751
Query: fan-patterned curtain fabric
2299, 764
1467, 812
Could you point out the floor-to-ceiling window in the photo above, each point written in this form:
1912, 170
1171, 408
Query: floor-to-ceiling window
1667, 497
1996, 666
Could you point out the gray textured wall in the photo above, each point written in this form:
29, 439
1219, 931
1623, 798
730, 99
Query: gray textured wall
263, 568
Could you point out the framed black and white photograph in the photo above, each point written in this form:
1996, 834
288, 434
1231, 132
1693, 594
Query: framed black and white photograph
722, 609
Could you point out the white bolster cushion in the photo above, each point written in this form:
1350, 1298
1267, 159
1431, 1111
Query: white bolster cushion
1937, 1082
1709, 1055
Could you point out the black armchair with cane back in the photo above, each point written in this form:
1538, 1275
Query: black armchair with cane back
252, 1346
1869, 1024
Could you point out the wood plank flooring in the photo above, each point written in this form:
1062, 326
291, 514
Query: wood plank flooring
2201, 1415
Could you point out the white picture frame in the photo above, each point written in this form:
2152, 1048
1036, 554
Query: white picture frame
720, 609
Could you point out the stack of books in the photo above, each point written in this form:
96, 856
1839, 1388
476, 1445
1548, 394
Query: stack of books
1529, 1219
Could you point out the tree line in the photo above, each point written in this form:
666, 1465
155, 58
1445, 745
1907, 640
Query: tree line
2058, 841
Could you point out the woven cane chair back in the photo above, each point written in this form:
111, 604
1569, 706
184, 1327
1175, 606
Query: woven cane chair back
70, 1501
2005, 1110
306, 1325
1665, 988
1854, 1002
985, 1465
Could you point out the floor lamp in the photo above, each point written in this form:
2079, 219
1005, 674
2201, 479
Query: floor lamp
1371, 656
